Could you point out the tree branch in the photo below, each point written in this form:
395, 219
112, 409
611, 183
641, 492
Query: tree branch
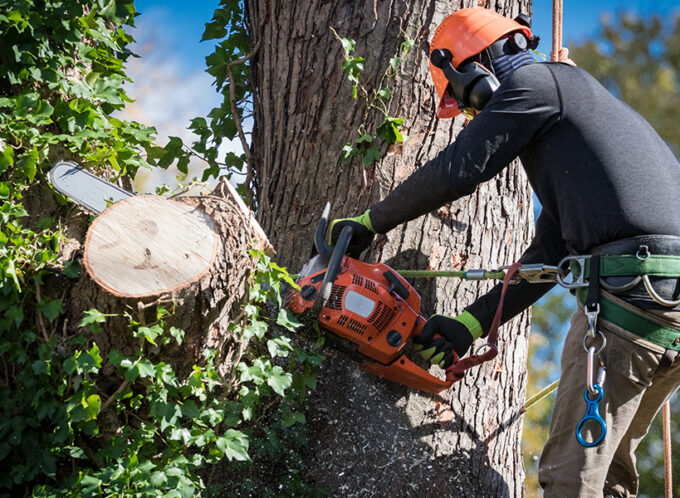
237, 119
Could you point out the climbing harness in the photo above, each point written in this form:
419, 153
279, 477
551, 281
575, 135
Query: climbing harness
589, 274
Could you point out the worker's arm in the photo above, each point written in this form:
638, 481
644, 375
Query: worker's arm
548, 248
523, 109
443, 335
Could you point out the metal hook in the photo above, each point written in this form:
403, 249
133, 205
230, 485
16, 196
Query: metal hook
589, 370
591, 315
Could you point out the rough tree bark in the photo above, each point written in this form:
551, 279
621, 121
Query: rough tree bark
370, 437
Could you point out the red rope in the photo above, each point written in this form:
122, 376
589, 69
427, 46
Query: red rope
457, 371
667, 463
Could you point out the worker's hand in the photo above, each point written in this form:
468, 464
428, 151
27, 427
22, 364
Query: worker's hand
445, 339
362, 234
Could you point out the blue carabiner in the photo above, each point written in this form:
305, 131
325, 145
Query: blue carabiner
592, 413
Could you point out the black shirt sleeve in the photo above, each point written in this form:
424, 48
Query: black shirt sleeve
548, 248
524, 107
523, 110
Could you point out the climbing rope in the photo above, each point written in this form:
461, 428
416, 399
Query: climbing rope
559, 53
557, 31
540, 395
667, 462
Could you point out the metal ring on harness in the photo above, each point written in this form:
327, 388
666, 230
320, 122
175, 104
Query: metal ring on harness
620, 288
604, 342
577, 281
654, 295
646, 255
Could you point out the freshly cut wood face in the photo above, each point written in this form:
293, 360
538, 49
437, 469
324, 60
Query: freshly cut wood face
148, 245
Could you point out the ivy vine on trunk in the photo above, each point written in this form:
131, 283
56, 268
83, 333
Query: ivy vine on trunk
77, 416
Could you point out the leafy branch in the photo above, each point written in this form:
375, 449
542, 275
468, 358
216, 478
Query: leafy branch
378, 99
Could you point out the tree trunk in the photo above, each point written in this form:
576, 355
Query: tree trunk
369, 436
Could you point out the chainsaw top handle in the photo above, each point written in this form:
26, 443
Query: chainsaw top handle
323, 247
334, 266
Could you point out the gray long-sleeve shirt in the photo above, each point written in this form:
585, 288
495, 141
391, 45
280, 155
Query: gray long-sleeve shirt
598, 168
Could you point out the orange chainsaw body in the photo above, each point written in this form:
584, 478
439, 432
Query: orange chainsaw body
375, 308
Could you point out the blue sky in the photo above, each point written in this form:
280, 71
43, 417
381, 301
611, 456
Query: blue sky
181, 22
171, 87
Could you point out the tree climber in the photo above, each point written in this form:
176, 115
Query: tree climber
608, 185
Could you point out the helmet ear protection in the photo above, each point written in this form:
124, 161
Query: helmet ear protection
472, 85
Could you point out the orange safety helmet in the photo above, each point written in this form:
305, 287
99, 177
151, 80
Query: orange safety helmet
465, 33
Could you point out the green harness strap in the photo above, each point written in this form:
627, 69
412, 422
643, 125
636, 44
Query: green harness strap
631, 266
639, 325
654, 265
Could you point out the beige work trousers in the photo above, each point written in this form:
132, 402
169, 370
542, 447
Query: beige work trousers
634, 391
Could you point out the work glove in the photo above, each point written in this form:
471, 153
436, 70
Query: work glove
362, 234
445, 339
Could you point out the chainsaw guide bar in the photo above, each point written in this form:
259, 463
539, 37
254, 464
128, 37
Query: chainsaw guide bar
82, 187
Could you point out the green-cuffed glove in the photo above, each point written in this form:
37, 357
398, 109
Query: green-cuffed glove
362, 235
445, 339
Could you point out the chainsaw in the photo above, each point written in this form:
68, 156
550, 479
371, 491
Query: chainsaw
369, 306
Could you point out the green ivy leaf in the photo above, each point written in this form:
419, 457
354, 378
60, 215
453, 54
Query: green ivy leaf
365, 138
290, 418
279, 380
6, 159
27, 163
158, 480
234, 445
389, 130
51, 308
349, 151
71, 269
150, 333
92, 405
146, 369
352, 67
395, 62
347, 45
287, 319
178, 335
371, 155
92, 316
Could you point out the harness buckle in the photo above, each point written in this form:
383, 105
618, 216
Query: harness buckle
565, 265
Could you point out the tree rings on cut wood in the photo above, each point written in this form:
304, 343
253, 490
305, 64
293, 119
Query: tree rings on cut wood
148, 245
